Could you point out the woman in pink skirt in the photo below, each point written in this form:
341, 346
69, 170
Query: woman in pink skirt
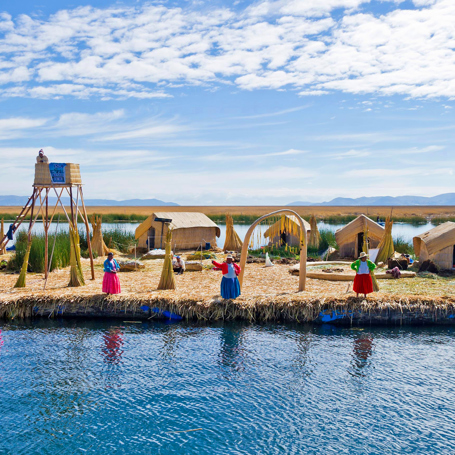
111, 282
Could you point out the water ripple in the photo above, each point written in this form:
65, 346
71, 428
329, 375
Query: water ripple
101, 388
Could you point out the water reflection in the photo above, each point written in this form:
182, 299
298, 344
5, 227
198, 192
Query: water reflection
232, 354
113, 344
1, 340
363, 349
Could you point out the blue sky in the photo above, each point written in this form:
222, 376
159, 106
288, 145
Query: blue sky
242, 103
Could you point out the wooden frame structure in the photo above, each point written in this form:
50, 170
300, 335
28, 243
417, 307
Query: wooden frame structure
40, 200
303, 245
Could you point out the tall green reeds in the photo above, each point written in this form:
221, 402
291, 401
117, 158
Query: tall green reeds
60, 259
403, 247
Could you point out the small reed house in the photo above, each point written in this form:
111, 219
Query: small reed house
350, 237
189, 230
286, 231
438, 245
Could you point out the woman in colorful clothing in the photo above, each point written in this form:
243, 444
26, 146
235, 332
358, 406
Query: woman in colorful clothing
363, 284
111, 282
230, 286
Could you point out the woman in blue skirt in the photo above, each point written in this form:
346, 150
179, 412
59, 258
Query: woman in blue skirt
230, 286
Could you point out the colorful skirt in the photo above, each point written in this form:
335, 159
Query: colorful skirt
111, 283
363, 284
230, 288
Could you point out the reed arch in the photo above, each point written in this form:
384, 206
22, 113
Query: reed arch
303, 247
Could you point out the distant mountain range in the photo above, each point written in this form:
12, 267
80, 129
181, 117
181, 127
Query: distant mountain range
442, 199
22, 200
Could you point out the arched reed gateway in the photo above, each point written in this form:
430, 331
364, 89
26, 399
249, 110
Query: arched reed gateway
350, 237
438, 245
303, 245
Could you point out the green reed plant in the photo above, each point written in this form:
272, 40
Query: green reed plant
119, 239
401, 246
60, 258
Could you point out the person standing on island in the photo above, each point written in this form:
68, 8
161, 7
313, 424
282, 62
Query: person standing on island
42, 158
363, 283
230, 286
111, 282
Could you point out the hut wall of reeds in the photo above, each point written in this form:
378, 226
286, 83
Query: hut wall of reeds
189, 230
290, 234
438, 245
350, 237
43, 174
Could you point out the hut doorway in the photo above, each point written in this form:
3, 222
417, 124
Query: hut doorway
359, 246
151, 238
453, 257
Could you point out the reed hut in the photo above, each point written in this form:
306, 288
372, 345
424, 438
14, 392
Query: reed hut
350, 238
438, 245
286, 231
189, 230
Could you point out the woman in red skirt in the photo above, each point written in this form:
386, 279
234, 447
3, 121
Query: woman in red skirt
363, 284
111, 283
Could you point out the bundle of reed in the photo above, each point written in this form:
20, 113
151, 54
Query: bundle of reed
366, 250
232, 242
20, 283
315, 236
2, 234
386, 248
167, 280
76, 276
98, 245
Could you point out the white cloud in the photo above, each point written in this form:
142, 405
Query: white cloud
142, 52
13, 127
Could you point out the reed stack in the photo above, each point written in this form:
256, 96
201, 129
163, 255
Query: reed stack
366, 250
167, 280
386, 248
2, 234
232, 242
315, 236
98, 245
20, 283
76, 276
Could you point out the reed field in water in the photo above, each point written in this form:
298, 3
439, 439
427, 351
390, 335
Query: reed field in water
248, 214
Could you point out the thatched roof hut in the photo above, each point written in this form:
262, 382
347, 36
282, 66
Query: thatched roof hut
286, 231
350, 237
438, 245
189, 230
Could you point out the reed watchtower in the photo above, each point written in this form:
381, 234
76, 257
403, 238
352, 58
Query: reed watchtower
61, 179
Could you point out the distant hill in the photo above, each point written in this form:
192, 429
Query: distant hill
22, 200
442, 199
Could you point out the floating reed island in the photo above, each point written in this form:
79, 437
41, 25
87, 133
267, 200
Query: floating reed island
268, 294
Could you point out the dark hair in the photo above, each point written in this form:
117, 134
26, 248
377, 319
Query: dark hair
110, 253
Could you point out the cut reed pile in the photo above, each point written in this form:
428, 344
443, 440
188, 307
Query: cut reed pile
232, 242
167, 280
386, 248
98, 245
366, 250
2, 234
315, 236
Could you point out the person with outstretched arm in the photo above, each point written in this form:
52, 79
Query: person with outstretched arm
230, 286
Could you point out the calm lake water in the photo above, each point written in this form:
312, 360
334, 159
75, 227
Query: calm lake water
404, 231
114, 387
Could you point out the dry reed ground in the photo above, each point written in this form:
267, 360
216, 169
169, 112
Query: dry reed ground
320, 212
268, 293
